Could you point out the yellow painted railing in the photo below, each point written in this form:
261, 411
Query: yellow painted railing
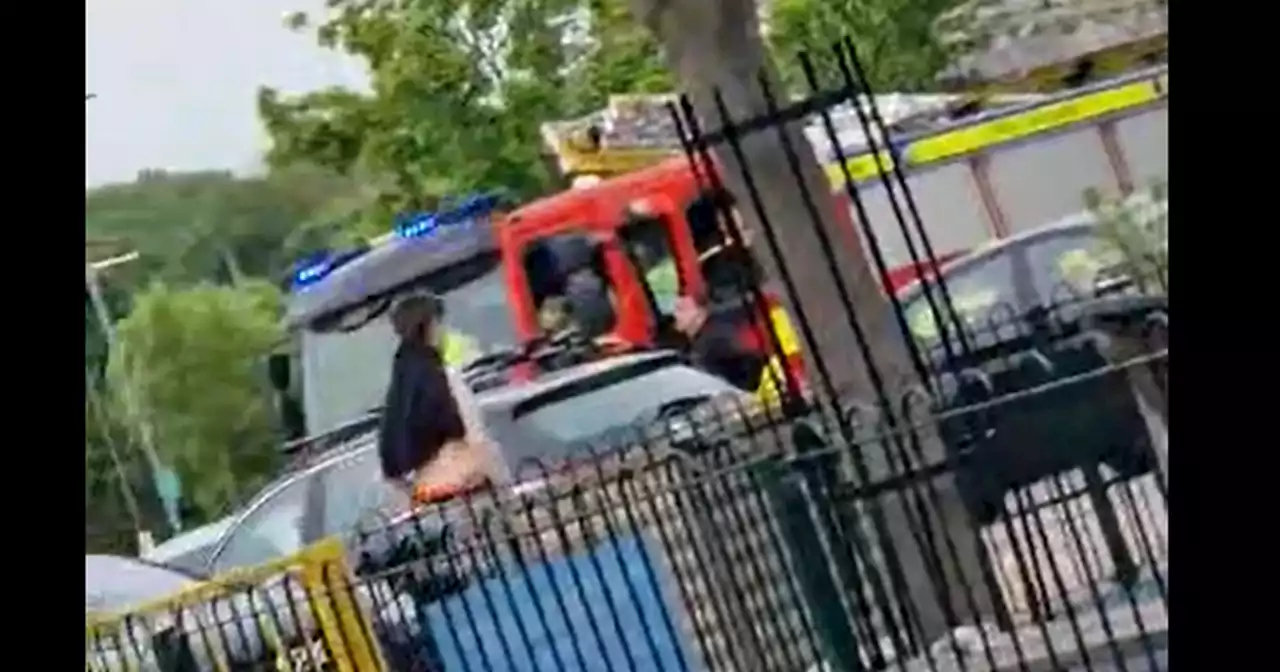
342, 640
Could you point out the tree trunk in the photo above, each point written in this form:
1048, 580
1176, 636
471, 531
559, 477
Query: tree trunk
716, 45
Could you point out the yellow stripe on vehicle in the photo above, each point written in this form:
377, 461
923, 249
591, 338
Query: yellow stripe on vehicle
971, 138
1031, 122
767, 389
788, 341
861, 167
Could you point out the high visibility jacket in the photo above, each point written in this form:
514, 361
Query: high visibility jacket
457, 349
773, 377
664, 280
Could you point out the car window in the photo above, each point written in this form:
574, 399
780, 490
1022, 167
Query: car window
649, 243
345, 371
570, 284
269, 531
982, 293
1068, 264
353, 491
190, 550
597, 411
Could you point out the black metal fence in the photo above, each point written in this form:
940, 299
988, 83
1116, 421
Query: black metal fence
741, 539
1037, 371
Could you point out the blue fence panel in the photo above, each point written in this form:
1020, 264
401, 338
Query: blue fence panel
602, 609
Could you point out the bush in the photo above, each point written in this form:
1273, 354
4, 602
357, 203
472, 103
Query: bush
1135, 233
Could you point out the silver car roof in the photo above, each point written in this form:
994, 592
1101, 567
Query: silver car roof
1079, 221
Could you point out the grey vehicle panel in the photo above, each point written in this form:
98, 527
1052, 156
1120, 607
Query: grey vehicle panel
387, 268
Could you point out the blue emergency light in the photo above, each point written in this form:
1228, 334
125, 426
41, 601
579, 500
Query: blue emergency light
424, 224
311, 270
420, 225
316, 267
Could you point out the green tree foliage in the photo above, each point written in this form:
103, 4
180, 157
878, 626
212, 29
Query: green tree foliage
621, 57
192, 227
118, 495
108, 524
1135, 233
193, 360
894, 38
95, 341
458, 91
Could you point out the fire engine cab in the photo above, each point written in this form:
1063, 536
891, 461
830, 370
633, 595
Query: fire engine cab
653, 235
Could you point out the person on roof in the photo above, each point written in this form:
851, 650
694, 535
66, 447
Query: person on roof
432, 436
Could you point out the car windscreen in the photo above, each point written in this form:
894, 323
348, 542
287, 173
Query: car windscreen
346, 367
584, 410
270, 528
983, 295
1069, 265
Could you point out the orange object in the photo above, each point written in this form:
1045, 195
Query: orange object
432, 494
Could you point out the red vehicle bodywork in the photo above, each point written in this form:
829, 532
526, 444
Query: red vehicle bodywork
666, 190
901, 277
600, 211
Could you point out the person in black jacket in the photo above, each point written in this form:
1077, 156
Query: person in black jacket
714, 346
420, 416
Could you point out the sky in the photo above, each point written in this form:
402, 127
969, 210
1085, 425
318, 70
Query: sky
176, 79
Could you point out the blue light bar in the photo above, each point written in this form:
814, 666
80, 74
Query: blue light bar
311, 270
317, 267
427, 223
418, 226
